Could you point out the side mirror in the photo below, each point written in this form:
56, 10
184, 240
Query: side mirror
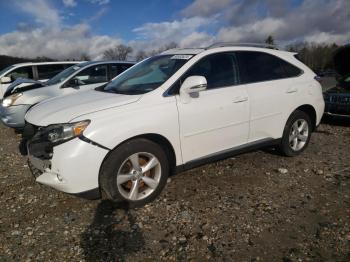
73, 83
6, 80
192, 84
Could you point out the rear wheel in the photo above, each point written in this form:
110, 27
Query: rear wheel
296, 134
135, 172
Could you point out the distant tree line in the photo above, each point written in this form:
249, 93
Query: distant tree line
123, 52
10, 60
316, 56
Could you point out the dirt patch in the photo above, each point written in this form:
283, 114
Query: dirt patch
255, 207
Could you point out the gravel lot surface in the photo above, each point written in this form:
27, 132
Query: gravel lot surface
254, 207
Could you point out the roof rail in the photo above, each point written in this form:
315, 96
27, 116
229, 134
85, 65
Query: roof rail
225, 44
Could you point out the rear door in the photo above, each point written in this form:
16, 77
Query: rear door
218, 118
271, 91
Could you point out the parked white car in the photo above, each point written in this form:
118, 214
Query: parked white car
41, 71
80, 77
172, 112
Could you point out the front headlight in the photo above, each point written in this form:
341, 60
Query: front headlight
10, 100
60, 133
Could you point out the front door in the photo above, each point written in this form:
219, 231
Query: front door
216, 119
89, 78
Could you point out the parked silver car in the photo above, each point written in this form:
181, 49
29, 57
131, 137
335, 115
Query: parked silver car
80, 77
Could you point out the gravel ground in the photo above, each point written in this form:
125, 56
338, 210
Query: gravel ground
254, 207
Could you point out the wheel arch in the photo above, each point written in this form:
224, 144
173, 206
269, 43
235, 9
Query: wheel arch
311, 112
154, 137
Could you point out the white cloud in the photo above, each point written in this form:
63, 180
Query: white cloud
99, 2
329, 38
255, 32
42, 11
176, 30
59, 43
205, 7
69, 3
197, 39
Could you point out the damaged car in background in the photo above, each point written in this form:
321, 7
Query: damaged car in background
38, 71
337, 99
84, 76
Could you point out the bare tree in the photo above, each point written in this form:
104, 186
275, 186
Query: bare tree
119, 52
141, 55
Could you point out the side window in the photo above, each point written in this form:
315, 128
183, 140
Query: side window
123, 67
92, 75
49, 71
291, 70
21, 72
114, 70
117, 69
259, 66
220, 70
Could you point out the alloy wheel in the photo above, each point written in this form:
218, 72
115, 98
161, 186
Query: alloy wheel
138, 176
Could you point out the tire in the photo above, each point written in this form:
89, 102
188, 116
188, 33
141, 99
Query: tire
123, 175
300, 140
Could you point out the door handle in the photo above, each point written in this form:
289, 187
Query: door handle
292, 90
240, 99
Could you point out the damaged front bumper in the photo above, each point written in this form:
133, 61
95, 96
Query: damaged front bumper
72, 167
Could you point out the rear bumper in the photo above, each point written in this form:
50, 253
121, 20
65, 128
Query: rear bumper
74, 168
13, 116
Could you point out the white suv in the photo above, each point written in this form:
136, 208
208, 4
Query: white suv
169, 113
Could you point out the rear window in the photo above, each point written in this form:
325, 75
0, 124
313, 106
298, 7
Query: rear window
259, 66
291, 70
21, 72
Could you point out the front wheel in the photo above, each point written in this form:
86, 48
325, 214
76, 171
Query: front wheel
135, 172
296, 134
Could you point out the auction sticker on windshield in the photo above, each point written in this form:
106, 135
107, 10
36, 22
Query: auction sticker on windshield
184, 57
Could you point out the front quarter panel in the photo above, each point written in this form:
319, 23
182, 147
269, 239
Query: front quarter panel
112, 127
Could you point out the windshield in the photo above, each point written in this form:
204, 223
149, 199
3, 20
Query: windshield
147, 75
63, 75
6, 69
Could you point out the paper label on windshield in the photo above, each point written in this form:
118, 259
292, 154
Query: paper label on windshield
184, 57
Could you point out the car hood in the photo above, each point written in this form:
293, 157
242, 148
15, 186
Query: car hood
63, 109
15, 86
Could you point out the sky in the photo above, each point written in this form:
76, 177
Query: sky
71, 28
